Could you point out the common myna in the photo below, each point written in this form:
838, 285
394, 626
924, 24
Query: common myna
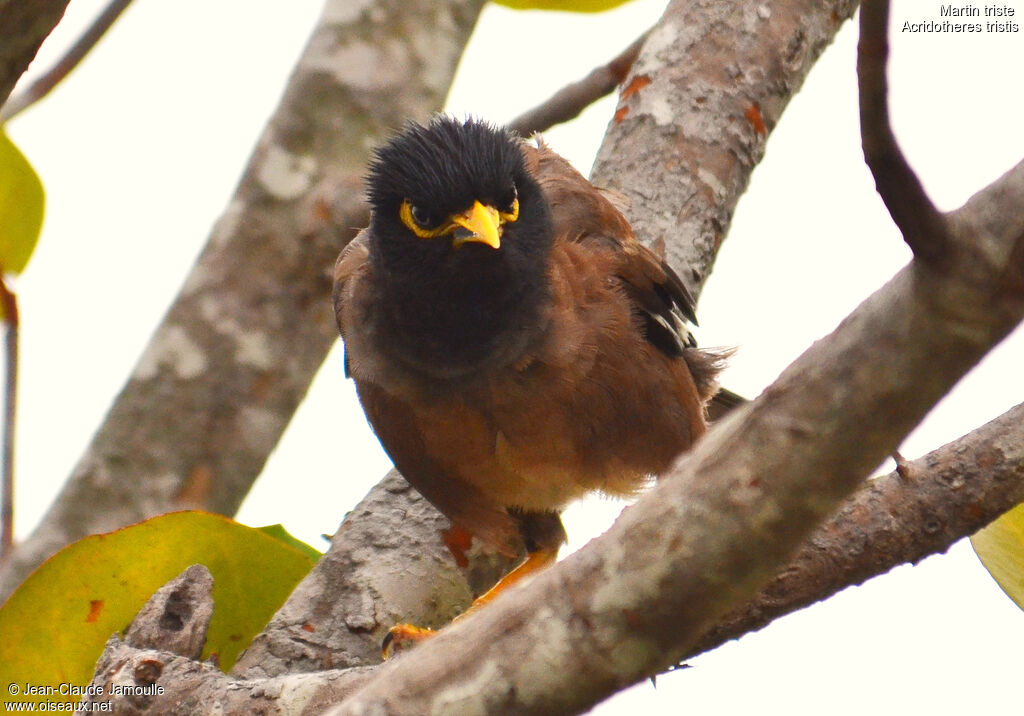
513, 345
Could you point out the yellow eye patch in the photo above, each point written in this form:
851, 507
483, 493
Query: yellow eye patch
406, 213
512, 214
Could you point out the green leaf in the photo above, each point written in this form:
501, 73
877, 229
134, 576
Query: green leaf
1001, 549
564, 5
21, 207
53, 628
280, 533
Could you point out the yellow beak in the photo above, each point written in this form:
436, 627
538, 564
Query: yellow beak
480, 224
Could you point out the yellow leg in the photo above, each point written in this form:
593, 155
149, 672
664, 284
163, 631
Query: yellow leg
402, 634
534, 562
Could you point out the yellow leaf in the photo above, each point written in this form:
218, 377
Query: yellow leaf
53, 628
564, 5
21, 207
1001, 549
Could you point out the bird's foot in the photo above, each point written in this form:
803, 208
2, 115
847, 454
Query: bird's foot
402, 636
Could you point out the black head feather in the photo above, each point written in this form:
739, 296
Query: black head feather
445, 166
447, 309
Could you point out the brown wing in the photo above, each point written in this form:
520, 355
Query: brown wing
660, 299
352, 261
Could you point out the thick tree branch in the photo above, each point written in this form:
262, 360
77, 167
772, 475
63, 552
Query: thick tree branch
24, 24
568, 102
134, 674
947, 494
696, 110
237, 350
375, 575
161, 648
46, 82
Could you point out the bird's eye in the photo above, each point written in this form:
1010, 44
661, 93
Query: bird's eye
510, 207
420, 215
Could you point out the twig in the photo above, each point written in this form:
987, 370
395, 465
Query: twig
43, 85
10, 399
922, 225
903, 467
568, 102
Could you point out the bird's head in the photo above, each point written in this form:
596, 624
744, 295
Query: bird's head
460, 236
451, 188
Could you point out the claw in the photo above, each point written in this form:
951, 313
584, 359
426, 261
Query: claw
401, 635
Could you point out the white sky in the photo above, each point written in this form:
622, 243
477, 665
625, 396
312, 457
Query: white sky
141, 148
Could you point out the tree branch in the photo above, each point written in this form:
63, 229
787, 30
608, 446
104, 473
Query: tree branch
45, 83
24, 24
695, 113
916, 511
154, 670
912, 211
568, 102
177, 616
945, 495
238, 348
377, 573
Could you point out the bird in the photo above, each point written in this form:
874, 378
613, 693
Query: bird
514, 346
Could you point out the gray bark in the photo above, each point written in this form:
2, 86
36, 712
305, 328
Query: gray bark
228, 365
